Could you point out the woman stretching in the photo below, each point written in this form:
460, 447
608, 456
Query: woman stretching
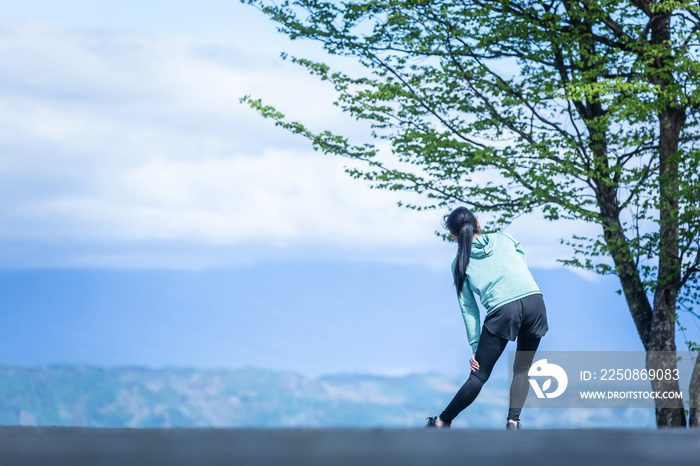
493, 266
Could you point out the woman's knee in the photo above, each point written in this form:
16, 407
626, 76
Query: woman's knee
519, 368
480, 376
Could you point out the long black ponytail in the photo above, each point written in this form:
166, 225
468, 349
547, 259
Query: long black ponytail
461, 223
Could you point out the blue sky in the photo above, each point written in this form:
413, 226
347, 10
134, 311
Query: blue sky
310, 317
149, 218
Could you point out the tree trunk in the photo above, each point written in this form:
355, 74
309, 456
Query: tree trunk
663, 332
669, 413
627, 272
694, 392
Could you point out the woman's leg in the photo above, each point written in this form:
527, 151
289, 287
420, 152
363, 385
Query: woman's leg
487, 353
525, 353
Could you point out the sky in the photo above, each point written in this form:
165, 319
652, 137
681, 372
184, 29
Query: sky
147, 217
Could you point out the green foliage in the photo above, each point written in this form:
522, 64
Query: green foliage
581, 110
557, 102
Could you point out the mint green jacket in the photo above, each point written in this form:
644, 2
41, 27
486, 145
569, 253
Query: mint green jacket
498, 274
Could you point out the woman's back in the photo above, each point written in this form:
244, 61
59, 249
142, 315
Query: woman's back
498, 272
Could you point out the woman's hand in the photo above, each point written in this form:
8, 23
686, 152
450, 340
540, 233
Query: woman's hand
473, 365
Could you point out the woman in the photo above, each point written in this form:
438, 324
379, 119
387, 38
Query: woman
494, 267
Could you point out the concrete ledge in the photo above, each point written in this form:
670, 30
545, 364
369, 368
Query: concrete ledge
78, 446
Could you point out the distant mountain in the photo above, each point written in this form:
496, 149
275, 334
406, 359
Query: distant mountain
140, 397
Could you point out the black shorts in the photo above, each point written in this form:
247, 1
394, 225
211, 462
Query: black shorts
523, 317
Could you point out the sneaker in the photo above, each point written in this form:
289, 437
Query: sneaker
513, 425
432, 422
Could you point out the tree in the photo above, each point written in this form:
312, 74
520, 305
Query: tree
578, 109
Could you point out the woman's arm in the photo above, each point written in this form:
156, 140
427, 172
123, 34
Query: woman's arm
470, 313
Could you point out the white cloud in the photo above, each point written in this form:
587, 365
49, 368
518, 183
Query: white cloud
113, 143
127, 139
277, 197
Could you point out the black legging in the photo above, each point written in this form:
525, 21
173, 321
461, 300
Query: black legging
488, 351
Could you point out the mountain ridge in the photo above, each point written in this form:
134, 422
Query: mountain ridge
146, 397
